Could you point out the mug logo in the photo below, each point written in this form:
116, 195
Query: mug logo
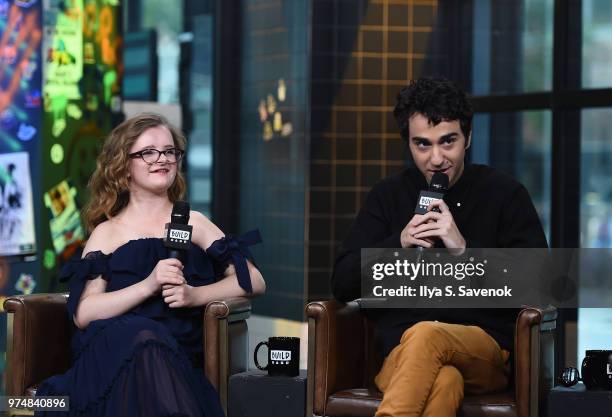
609, 369
280, 357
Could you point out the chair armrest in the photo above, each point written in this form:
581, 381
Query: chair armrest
534, 350
336, 351
38, 339
225, 341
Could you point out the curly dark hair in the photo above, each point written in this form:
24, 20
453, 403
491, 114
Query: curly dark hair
436, 98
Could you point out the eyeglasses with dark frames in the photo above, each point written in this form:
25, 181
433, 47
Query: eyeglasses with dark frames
151, 156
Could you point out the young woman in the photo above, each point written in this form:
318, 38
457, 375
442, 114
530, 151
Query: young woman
138, 344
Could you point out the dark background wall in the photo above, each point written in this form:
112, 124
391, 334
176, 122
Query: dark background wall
273, 162
342, 63
362, 54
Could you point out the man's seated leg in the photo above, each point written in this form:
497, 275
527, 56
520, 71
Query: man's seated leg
409, 372
446, 394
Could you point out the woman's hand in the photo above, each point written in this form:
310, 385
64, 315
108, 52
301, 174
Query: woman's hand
179, 295
167, 272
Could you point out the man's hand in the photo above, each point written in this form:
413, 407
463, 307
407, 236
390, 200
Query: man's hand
434, 225
407, 238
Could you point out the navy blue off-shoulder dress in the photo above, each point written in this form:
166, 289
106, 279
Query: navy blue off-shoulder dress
148, 361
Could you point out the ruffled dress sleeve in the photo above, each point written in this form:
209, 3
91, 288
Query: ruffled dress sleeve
79, 271
234, 249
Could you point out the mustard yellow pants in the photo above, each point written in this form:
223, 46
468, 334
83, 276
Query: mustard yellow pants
426, 374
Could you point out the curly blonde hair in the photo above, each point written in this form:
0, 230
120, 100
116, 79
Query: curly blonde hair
109, 183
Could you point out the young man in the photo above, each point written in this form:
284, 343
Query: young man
433, 355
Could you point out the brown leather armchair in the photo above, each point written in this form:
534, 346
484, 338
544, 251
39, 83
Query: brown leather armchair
39, 331
342, 363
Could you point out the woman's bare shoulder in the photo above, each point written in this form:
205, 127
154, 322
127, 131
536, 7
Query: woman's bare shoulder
105, 237
205, 232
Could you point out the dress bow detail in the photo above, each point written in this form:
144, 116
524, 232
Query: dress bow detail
234, 249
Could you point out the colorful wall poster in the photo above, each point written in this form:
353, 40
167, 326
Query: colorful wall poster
63, 57
78, 112
25, 284
64, 216
16, 208
20, 74
63, 48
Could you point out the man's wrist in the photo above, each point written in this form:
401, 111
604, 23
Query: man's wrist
457, 251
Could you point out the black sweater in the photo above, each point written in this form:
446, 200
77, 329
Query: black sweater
490, 209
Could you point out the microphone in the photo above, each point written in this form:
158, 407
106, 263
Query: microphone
437, 187
178, 231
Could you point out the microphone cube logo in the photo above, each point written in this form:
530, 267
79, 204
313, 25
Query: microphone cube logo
425, 199
280, 357
179, 235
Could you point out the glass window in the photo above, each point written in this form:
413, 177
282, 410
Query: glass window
512, 46
522, 148
201, 107
596, 43
168, 21
594, 330
595, 179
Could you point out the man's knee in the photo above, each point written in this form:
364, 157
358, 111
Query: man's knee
446, 393
424, 331
449, 381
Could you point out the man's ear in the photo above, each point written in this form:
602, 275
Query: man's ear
469, 141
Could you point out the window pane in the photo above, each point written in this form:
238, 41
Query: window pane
596, 43
522, 148
168, 21
199, 155
594, 331
595, 179
512, 46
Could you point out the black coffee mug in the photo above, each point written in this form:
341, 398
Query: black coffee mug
596, 371
283, 356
